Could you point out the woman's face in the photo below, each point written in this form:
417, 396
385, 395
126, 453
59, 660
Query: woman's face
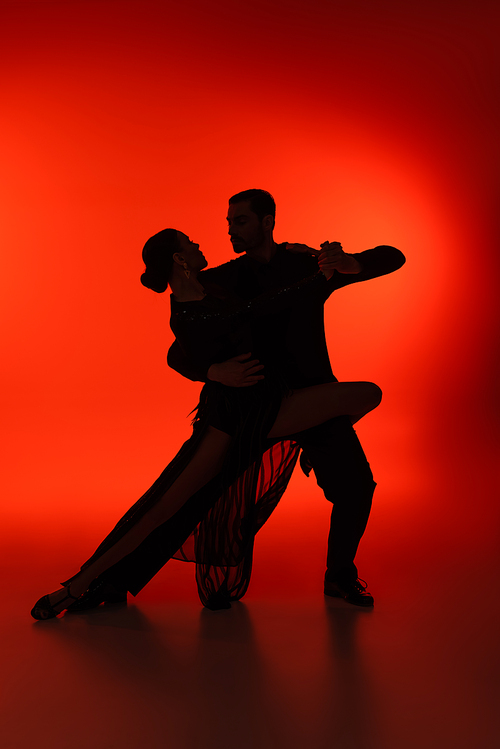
191, 252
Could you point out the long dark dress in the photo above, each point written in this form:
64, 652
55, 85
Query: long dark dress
216, 527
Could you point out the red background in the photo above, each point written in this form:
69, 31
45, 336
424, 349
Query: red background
370, 123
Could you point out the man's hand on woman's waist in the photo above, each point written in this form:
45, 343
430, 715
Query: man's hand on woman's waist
236, 372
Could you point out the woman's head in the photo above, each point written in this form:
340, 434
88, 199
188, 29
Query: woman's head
163, 252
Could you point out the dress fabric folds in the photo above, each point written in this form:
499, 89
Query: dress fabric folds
216, 527
255, 475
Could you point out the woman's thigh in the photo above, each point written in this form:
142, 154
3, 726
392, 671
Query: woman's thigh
308, 407
206, 463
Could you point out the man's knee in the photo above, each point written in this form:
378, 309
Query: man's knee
359, 492
336, 456
352, 483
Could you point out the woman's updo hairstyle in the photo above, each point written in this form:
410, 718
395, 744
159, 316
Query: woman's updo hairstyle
158, 255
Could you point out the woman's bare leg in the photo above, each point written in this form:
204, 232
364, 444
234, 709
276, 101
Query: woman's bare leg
355, 419
311, 406
205, 464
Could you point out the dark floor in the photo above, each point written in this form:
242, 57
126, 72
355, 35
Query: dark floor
285, 668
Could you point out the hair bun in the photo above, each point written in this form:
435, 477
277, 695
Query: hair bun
155, 282
157, 254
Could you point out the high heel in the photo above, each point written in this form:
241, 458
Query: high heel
43, 609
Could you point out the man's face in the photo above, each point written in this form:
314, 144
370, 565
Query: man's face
245, 227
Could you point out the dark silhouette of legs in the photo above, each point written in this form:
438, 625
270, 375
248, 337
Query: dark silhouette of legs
342, 471
303, 409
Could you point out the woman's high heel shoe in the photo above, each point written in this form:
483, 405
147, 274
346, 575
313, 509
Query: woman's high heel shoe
43, 609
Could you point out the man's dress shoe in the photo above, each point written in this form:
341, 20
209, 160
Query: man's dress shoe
353, 592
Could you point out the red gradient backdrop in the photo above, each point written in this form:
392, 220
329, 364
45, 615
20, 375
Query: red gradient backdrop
370, 122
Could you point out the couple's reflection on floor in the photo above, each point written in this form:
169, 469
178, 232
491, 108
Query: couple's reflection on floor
291, 677
119, 640
350, 699
229, 680
282, 672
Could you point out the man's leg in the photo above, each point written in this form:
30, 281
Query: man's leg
335, 454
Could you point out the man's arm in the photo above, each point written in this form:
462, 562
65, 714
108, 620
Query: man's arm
342, 268
360, 266
240, 371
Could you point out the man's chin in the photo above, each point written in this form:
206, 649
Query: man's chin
238, 248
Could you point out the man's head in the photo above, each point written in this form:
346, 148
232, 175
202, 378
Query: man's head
250, 219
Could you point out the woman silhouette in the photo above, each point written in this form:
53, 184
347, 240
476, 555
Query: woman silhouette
225, 481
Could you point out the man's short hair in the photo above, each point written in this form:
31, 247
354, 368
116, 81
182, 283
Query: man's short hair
261, 202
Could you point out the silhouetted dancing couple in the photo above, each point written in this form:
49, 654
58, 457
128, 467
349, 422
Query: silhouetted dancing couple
252, 330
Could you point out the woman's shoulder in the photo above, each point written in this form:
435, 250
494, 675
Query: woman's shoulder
192, 306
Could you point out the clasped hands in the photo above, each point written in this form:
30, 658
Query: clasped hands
331, 257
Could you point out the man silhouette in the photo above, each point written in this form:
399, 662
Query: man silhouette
294, 343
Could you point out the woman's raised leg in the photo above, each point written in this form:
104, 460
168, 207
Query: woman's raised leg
311, 406
205, 464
